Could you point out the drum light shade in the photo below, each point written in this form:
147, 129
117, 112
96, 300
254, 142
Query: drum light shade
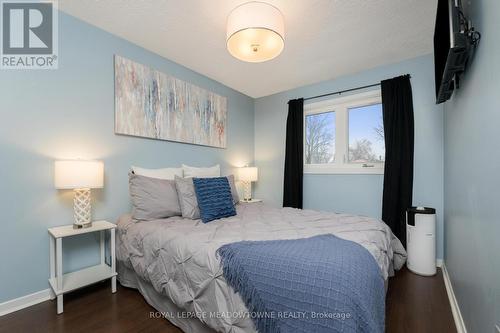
78, 174
248, 174
255, 32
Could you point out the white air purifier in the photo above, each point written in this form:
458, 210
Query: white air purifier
421, 240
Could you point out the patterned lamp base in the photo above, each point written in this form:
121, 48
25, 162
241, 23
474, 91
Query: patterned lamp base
82, 207
247, 194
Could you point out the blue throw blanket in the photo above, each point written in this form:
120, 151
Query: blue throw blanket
317, 284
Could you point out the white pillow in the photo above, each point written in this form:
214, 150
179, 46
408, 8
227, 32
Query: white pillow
165, 173
190, 171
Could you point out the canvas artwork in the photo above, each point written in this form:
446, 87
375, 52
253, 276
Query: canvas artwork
152, 104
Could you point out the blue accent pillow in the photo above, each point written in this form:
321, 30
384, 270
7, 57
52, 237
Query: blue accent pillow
214, 198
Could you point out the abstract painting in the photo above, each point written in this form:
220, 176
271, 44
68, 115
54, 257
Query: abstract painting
152, 104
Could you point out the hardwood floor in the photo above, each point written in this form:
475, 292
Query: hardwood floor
90, 310
414, 304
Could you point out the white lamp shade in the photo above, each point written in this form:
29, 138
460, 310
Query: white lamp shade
255, 32
79, 174
248, 174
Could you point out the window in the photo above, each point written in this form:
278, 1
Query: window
345, 135
320, 138
366, 134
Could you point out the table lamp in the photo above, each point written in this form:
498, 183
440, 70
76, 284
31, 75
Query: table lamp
248, 175
80, 176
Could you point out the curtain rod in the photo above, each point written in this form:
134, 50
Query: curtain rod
347, 90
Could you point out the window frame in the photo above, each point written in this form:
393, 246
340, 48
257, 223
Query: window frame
341, 106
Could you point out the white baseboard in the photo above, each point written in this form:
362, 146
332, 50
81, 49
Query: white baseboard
455, 309
24, 301
439, 263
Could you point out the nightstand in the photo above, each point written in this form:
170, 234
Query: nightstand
251, 201
63, 283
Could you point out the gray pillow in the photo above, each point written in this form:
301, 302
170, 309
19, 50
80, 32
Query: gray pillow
153, 198
234, 192
187, 197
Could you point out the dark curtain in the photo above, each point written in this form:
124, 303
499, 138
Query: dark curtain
294, 154
397, 105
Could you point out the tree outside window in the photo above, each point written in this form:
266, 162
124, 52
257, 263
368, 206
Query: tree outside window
320, 138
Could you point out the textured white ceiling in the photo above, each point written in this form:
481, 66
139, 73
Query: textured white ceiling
324, 39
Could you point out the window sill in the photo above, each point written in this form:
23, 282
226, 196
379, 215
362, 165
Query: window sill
319, 170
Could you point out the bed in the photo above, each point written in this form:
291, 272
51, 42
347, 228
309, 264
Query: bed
174, 264
173, 261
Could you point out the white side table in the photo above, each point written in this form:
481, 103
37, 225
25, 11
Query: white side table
63, 283
251, 201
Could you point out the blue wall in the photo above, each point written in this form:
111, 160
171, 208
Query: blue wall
357, 194
472, 179
69, 113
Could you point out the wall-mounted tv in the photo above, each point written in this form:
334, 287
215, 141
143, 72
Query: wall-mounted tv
454, 38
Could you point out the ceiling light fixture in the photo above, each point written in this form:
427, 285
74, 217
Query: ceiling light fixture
255, 32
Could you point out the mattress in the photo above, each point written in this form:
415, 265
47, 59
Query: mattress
176, 257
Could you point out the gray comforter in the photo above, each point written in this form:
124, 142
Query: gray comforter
178, 256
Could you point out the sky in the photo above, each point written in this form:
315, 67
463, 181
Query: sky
362, 120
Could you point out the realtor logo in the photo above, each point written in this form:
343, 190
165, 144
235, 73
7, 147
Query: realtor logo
29, 35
